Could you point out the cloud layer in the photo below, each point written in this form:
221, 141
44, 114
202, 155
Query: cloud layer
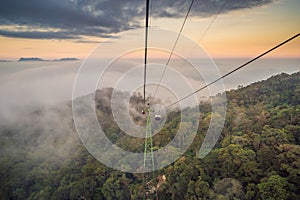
72, 19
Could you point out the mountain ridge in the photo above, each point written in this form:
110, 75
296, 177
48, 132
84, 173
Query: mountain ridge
36, 59
43, 158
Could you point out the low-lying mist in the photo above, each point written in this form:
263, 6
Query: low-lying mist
35, 107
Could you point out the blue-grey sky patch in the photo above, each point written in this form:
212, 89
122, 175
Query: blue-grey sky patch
38, 34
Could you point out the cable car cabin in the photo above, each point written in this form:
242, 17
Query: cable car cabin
157, 117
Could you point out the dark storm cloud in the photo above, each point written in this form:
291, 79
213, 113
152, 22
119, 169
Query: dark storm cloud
38, 34
178, 8
76, 18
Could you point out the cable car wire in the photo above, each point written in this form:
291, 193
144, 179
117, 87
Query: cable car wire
212, 21
236, 69
174, 46
202, 36
146, 47
150, 13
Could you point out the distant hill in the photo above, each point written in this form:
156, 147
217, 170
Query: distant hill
30, 59
40, 59
66, 59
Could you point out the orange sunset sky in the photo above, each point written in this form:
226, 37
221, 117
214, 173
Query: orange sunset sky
240, 30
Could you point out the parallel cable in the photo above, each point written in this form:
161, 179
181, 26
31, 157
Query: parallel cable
212, 21
236, 69
146, 47
150, 13
174, 46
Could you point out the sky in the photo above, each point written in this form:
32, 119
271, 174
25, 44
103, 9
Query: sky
73, 28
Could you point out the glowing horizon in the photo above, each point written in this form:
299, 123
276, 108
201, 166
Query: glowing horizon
243, 33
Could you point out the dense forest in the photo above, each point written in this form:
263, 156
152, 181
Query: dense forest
256, 157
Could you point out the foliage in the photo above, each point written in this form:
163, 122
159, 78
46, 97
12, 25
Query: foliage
257, 156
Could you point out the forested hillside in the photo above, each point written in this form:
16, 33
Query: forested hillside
256, 157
